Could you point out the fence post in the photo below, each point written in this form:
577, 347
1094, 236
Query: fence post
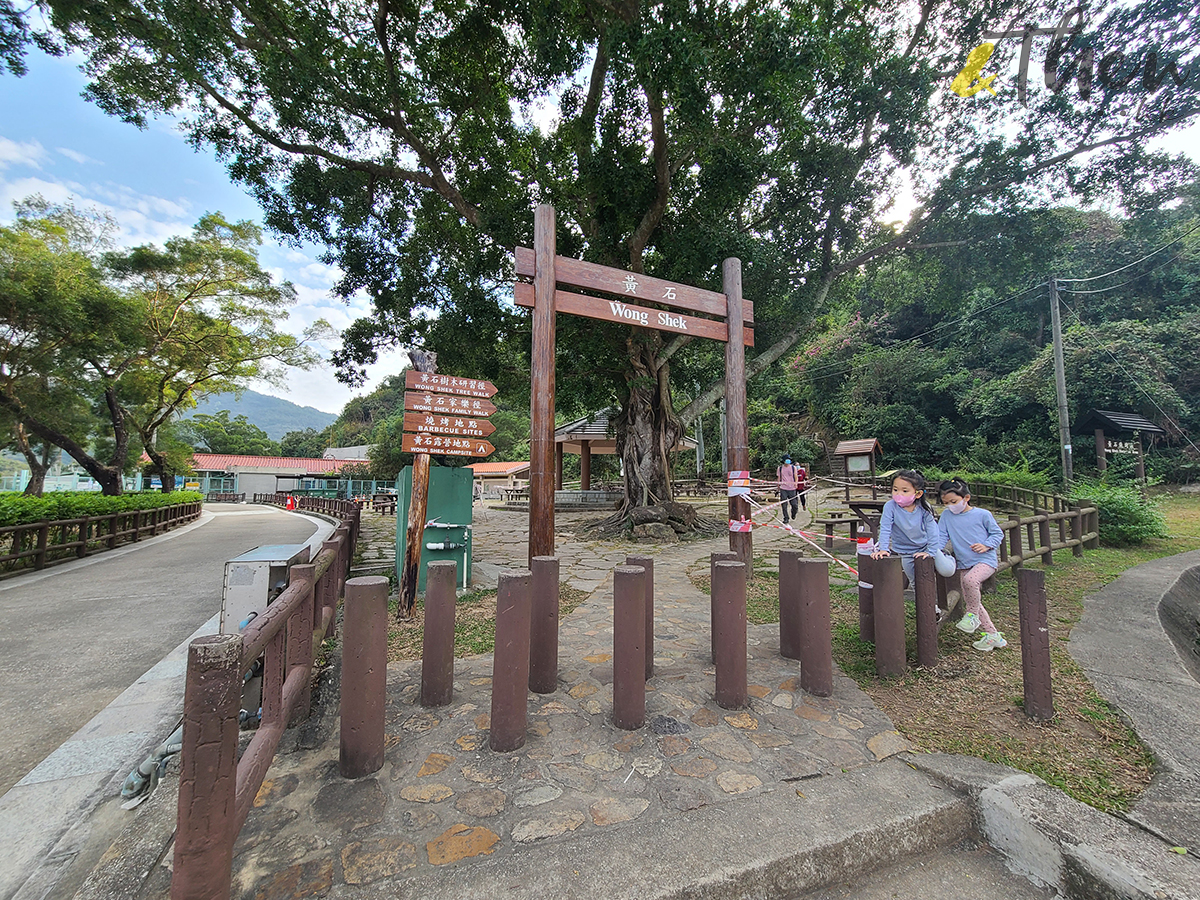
1076, 532
866, 593
791, 635
437, 655
364, 676
1035, 644
816, 634
81, 551
647, 563
43, 541
889, 617
1044, 539
510, 662
333, 582
729, 591
713, 559
301, 635
629, 656
1093, 527
212, 696
925, 589
1015, 551
543, 625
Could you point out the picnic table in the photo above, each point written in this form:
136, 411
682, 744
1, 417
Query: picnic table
869, 511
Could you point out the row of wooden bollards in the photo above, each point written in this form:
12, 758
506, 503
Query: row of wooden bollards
526, 649
881, 619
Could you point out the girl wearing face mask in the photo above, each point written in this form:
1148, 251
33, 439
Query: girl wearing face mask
974, 537
908, 528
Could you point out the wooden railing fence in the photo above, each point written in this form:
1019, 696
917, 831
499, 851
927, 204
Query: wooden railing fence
216, 789
1054, 523
37, 543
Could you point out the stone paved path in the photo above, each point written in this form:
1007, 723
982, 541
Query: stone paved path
443, 799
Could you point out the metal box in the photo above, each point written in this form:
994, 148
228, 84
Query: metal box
447, 520
254, 578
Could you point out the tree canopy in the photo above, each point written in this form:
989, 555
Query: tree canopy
100, 348
412, 142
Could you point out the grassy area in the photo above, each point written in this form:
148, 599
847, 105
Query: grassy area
970, 702
474, 623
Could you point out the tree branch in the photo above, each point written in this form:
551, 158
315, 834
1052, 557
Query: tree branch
662, 178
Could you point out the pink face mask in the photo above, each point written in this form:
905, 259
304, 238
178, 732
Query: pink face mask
904, 499
958, 507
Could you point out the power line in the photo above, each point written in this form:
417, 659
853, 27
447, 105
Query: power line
1130, 281
1135, 262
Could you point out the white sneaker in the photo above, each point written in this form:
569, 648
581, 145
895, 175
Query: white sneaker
968, 623
992, 640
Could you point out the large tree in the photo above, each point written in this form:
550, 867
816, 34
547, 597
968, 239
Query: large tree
412, 141
138, 335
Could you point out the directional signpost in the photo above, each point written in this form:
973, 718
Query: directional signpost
444, 415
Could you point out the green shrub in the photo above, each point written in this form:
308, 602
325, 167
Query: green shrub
19, 509
1126, 517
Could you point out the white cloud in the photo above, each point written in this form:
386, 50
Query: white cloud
319, 388
20, 188
78, 157
29, 153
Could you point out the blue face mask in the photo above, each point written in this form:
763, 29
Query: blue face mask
787, 462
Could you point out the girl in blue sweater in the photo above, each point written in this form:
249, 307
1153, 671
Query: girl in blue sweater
907, 526
974, 536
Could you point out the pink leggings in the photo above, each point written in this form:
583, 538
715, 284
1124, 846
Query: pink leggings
972, 579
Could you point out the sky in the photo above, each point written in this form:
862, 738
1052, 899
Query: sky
55, 143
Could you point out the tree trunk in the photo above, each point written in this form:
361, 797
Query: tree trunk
108, 476
161, 467
37, 467
647, 428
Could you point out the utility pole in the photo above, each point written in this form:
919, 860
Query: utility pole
1060, 387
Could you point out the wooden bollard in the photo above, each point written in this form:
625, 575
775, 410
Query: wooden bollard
364, 676
816, 641
866, 593
729, 591
713, 559
1035, 644
647, 563
437, 656
927, 624
510, 662
629, 656
790, 630
543, 626
212, 696
889, 617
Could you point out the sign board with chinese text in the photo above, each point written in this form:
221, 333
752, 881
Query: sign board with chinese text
448, 404
445, 445
631, 314
462, 426
577, 273
448, 384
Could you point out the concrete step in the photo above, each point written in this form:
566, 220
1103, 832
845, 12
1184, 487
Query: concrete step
969, 870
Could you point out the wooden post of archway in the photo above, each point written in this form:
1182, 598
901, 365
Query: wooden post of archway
734, 325
541, 376
737, 437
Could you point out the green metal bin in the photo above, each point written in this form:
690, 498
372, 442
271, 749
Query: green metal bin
447, 520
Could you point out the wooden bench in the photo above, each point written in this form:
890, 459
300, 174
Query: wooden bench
831, 522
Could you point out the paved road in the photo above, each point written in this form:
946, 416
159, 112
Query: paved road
74, 637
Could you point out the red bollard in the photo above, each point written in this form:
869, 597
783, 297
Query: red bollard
791, 634
437, 653
729, 590
364, 676
543, 627
647, 563
208, 769
927, 624
816, 629
510, 664
713, 559
1035, 644
629, 657
889, 617
866, 593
